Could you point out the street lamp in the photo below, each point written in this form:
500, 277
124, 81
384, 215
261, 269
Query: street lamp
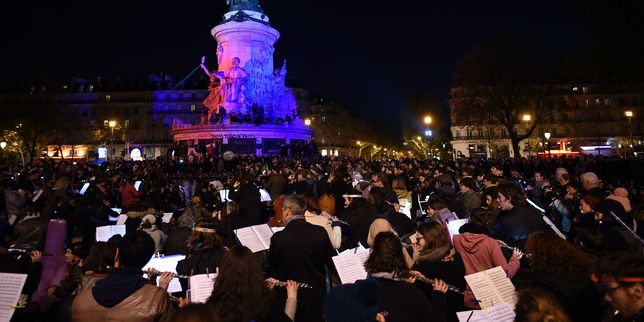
629, 116
527, 118
307, 122
3, 145
112, 125
427, 120
547, 136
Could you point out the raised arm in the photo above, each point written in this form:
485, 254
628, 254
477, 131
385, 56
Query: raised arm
203, 66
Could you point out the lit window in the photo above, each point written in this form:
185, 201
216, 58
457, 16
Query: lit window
193, 107
108, 98
584, 89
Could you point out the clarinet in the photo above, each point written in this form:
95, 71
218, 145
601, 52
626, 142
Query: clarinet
429, 281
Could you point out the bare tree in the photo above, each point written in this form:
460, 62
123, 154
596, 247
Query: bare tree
503, 78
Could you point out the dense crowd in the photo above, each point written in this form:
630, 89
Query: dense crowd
567, 233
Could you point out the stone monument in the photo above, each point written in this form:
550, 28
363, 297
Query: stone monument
248, 99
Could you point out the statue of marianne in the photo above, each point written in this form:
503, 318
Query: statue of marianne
251, 5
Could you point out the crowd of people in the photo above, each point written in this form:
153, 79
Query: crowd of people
566, 231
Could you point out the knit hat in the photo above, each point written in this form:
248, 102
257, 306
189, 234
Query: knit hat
621, 195
150, 218
591, 200
353, 302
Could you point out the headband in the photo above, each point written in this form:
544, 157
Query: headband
597, 279
205, 230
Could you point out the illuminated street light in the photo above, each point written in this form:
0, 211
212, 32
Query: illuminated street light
112, 125
526, 117
307, 122
629, 115
3, 144
427, 120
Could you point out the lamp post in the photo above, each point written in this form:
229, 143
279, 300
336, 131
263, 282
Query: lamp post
547, 136
112, 125
3, 145
629, 116
527, 118
428, 133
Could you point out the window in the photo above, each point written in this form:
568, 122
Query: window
597, 102
492, 132
480, 133
608, 102
469, 133
193, 107
585, 89
504, 133
458, 133
126, 123
108, 98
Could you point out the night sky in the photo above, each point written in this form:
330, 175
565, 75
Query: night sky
368, 56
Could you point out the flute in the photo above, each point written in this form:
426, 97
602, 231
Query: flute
159, 274
513, 248
451, 288
283, 284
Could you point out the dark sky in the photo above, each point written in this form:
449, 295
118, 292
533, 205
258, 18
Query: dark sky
366, 55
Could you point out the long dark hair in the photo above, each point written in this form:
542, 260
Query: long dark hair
240, 291
387, 256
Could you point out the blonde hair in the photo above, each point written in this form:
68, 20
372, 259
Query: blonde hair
537, 306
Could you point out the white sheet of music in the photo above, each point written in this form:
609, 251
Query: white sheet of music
104, 233
454, 225
350, 267
473, 316
497, 313
492, 287
201, 287
167, 264
248, 238
166, 217
9, 293
264, 233
121, 220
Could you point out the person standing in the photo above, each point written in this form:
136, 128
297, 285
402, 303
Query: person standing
302, 252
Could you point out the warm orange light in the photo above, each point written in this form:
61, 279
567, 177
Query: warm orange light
427, 120
527, 117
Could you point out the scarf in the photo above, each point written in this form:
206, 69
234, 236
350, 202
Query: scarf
444, 254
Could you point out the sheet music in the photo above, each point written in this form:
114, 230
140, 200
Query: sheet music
248, 238
497, 313
166, 264
350, 268
264, 233
166, 217
492, 287
9, 293
454, 225
104, 233
264, 196
476, 316
201, 287
277, 229
121, 220
503, 285
501, 313
363, 255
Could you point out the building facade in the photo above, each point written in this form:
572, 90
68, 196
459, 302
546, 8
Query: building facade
586, 119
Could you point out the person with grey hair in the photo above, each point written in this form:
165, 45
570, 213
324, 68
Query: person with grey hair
302, 252
590, 184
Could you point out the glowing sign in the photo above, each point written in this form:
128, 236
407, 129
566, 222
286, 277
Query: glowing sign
135, 154
102, 153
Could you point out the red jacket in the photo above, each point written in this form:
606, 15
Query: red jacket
129, 194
